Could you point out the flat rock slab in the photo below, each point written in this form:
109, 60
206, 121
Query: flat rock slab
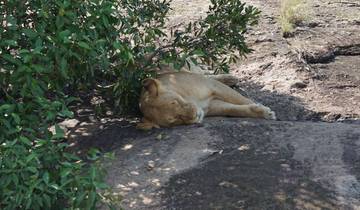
228, 163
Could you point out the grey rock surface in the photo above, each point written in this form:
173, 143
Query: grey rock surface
228, 163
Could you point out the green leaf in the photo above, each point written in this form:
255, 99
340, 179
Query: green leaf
50, 116
39, 201
41, 142
198, 52
66, 113
6, 107
64, 34
91, 200
63, 67
47, 200
105, 21
59, 22
59, 132
93, 173
101, 185
6, 181
80, 198
28, 204
46, 177
93, 154
117, 45
15, 179
11, 59
9, 42
84, 45
32, 169
38, 68
109, 155
16, 118
38, 44
24, 51
27, 58
32, 156
65, 172
55, 186
30, 33
25, 140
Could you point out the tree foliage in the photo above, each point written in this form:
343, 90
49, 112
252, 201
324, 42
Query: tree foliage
52, 49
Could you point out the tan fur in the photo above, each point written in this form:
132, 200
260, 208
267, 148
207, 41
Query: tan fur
182, 98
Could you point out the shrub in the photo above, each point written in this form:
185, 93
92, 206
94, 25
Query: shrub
292, 13
47, 47
216, 40
52, 49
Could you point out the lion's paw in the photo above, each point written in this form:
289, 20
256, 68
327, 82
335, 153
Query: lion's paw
266, 112
200, 115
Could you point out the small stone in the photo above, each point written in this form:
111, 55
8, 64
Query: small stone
313, 24
299, 84
244, 147
266, 65
151, 165
274, 54
70, 123
264, 39
198, 193
288, 34
159, 137
284, 165
227, 184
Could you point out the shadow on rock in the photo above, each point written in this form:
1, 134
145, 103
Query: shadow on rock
106, 136
286, 107
257, 175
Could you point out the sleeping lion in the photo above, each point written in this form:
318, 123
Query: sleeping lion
182, 98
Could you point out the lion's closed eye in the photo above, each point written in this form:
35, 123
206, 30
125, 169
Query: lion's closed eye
171, 120
174, 102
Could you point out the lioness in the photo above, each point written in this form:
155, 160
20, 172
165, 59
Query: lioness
180, 98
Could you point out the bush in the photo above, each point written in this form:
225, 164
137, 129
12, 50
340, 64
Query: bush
216, 40
292, 13
50, 50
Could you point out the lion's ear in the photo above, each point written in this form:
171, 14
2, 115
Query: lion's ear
151, 85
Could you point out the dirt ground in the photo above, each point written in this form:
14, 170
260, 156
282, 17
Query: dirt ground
319, 66
308, 159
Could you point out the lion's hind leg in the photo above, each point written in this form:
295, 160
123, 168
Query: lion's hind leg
265, 111
226, 79
221, 108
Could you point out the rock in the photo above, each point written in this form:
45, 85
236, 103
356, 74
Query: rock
320, 159
69, 123
356, 22
274, 54
288, 34
313, 24
66, 125
298, 84
227, 184
264, 39
266, 65
351, 49
318, 54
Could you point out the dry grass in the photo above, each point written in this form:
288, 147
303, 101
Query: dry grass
292, 13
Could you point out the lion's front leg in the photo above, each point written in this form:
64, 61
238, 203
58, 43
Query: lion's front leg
146, 125
221, 108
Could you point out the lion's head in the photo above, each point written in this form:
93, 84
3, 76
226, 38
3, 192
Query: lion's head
164, 107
